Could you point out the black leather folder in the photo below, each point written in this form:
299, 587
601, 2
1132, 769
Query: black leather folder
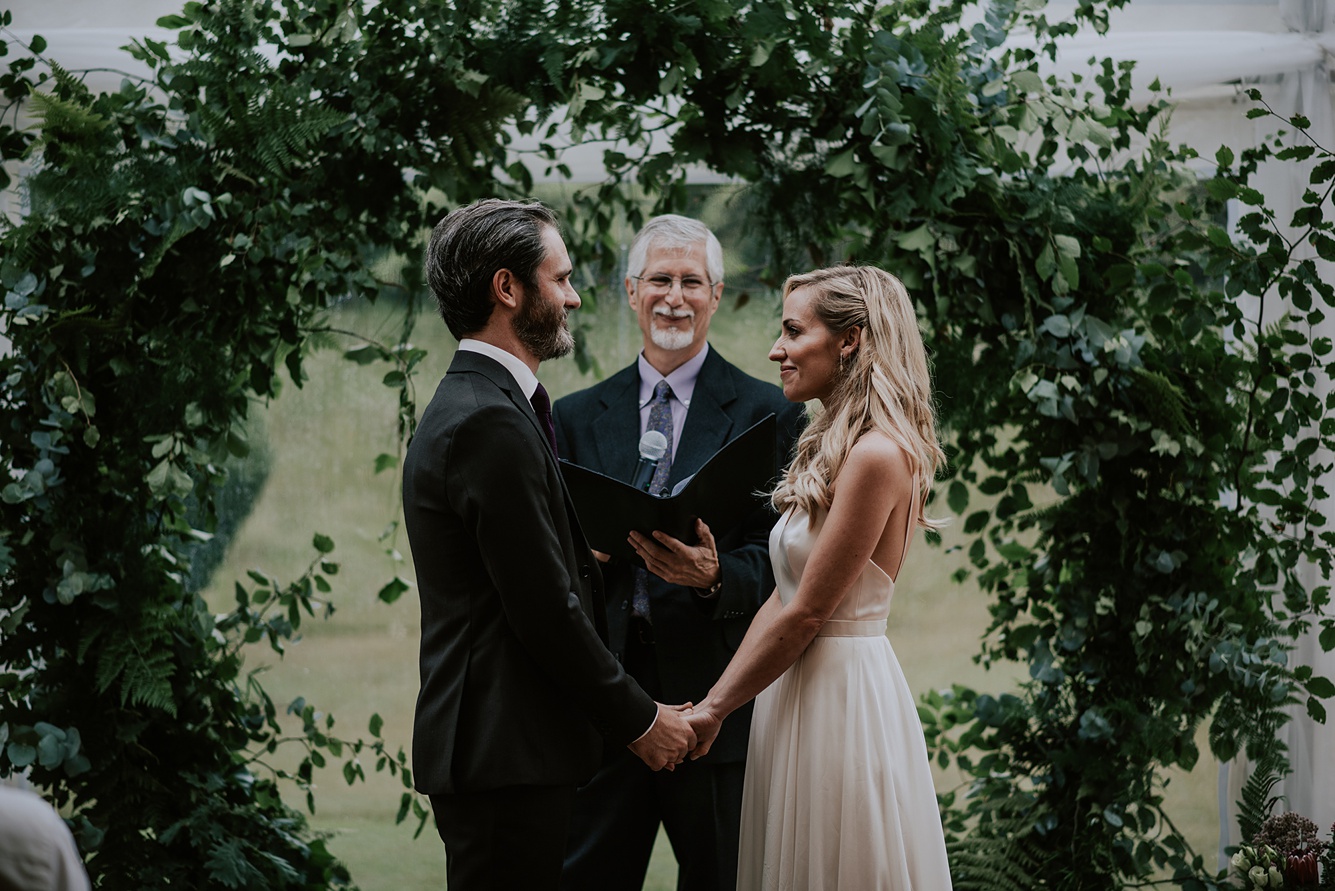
732, 484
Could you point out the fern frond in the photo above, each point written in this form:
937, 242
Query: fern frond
992, 864
1047, 513
1163, 400
143, 673
69, 83
65, 122
273, 132
1255, 801
474, 122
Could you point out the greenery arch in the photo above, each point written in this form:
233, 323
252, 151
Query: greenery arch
187, 234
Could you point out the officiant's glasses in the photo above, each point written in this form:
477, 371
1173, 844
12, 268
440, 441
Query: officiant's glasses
691, 285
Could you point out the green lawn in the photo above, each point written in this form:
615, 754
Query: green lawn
324, 438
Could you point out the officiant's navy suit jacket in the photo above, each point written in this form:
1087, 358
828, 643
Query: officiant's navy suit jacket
694, 637
517, 684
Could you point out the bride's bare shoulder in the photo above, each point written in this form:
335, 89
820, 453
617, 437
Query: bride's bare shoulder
878, 448
877, 460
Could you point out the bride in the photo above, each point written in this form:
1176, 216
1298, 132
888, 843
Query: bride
838, 792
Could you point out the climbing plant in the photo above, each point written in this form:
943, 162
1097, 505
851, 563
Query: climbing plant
1150, 455
185, 236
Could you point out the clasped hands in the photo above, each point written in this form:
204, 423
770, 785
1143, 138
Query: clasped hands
678, 732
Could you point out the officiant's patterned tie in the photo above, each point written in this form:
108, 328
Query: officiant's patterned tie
660, 419
542, 407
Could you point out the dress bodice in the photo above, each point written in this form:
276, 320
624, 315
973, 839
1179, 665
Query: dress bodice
790, 545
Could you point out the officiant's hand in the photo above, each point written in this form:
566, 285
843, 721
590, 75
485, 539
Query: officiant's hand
706, 725
670, 739
693, 566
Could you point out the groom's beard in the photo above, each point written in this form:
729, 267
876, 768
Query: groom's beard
542, 329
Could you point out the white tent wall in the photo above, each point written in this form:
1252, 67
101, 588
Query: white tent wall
1207, 54
1204, 53
1306, 90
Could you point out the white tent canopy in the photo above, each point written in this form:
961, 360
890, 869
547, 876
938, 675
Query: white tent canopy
1186, 61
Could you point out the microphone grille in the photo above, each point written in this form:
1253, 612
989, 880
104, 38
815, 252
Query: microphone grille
653, 445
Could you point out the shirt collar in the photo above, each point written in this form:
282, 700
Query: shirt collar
527, 380
681, 380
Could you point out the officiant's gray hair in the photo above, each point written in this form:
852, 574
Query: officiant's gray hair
674, 231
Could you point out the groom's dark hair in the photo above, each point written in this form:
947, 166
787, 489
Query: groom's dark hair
468, 247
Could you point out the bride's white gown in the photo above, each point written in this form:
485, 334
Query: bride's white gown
838, 790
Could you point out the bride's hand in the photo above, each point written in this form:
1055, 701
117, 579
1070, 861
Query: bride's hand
706, 725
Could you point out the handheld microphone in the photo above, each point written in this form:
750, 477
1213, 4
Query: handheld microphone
653, 446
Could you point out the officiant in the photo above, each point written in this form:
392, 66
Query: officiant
675, 625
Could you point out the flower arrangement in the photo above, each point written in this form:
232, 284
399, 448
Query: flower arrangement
1287, 852
1260, 866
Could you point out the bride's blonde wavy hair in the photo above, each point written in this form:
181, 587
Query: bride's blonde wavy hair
885, 385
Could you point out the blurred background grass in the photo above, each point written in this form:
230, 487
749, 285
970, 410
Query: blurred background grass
322, 440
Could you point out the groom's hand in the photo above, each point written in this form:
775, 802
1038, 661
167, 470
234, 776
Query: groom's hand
668, 741
672, 560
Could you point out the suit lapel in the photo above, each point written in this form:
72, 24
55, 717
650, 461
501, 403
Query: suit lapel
469, 361
708, 424
617, 428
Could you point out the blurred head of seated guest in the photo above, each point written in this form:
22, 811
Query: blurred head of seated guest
37, 851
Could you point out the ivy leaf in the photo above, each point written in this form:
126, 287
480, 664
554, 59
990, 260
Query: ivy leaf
1046, 262
1057, 325
1221, 189
1321, 687
1315, 710
159, 478
957, 497
843, 164
919, 239
1219, 238
393, 590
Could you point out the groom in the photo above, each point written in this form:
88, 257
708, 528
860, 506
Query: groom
517, 684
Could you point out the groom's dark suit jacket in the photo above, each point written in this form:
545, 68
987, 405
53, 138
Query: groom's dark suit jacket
517, 684
599, 428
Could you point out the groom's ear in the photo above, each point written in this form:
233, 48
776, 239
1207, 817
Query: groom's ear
506, 289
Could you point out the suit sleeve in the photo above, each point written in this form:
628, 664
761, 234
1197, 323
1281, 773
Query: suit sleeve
503, 487
746, 573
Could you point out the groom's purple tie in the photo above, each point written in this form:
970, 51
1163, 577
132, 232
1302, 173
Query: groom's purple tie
542, 407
